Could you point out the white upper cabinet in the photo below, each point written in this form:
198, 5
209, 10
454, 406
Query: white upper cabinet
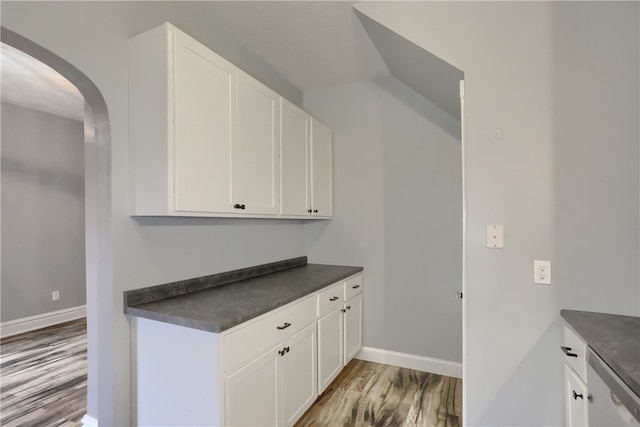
294, 160
202, 111
321, 170
205, 137
255, 150
181, 99
306, 164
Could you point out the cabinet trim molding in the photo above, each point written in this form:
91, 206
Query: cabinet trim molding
411, 361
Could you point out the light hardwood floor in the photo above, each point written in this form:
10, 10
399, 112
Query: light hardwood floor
44, 376
371, 394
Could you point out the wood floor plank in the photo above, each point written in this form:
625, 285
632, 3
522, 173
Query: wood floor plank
369, 394
43, 376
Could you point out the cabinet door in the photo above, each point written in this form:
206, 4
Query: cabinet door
255, 152
252, 393
202, 109
321, 170
294, 175
575, 398
330, 352
352, 328
298, 375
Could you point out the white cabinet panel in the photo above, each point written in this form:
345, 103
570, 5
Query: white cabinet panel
295, 198
352, 327
575, 378
252, 338
321, 169
330, 350
180, 114
306, 164
202, 128
298, 374
252, 393
330, 299
575, 399
255, 154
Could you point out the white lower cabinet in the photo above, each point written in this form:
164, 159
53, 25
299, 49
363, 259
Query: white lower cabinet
251, 392
330, 345
575, 398
352, 328
276, 388
298, 367
339, 328
265, 372
575, 379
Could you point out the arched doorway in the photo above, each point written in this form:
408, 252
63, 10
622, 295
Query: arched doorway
97, 221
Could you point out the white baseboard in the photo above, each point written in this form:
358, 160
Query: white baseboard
26, 324
411, 361
88, 421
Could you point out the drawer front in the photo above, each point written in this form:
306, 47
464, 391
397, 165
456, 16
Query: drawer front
257, 336
574, 345
329, 299
352, 287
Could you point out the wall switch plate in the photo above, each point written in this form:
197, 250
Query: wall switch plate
542, 272
495, 236
55, 295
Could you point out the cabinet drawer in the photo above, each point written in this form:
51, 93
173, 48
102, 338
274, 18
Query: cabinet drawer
352, 287
257, 336
330, 299
575, 346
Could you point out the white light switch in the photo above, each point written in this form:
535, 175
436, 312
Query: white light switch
495, 236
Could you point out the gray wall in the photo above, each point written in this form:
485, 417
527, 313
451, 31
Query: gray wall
42, 212
561, 81
398, 198
93, 36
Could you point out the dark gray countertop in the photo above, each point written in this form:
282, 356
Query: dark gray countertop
615, 338
223, 306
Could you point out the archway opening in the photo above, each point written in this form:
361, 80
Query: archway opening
97, 158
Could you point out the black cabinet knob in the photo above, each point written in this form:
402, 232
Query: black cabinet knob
315, 211
309, 210
238, 206
576, 395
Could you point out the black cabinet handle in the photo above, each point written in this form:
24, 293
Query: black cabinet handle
238, 206
355, 286
333, 299
281, 352
309, 210
315, 211
576, 395
344, 310
567, 351
286, 350
348, 307
285, 326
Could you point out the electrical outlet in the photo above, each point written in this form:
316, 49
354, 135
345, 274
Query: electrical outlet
542, 272
55, 295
